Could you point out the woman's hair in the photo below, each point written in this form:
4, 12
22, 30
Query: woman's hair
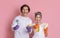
25, 6
38, 13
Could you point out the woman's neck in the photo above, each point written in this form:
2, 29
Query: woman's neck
38, 23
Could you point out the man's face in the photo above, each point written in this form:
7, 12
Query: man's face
38, 18
25, 11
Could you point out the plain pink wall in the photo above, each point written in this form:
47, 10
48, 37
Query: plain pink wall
49, 8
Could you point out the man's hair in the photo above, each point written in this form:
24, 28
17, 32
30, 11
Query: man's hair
25, 6
38, 13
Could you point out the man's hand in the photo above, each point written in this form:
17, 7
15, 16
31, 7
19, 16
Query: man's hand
16, 27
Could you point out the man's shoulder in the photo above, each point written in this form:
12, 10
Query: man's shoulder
29, 18
17, 17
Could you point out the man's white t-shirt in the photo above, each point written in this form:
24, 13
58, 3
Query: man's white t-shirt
21, 31
40, 34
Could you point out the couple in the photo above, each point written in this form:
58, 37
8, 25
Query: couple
23, 27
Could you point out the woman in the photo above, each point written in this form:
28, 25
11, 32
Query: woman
40, 29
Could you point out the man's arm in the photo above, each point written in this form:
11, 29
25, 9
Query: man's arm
15, 25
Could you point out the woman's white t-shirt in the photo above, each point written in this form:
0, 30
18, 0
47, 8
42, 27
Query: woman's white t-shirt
40, 34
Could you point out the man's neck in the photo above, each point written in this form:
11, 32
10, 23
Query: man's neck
23, 16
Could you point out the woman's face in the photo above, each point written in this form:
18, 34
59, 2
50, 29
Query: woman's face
25, 11
38, 18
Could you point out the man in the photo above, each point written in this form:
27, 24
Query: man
21, 22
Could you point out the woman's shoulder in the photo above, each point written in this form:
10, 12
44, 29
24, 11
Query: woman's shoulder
44, 25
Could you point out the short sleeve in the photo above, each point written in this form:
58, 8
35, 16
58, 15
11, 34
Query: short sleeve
30, 22
45, 25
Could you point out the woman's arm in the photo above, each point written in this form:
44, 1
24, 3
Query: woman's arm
46, 32
46, 29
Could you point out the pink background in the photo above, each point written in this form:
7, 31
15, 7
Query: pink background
49, 8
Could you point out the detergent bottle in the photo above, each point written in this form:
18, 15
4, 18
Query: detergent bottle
29, 28
36, 27
46, 29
